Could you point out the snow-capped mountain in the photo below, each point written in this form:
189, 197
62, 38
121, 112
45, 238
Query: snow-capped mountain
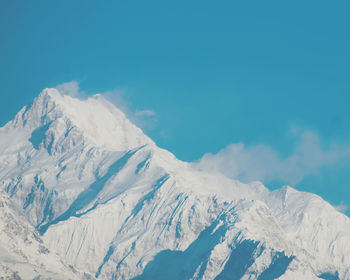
96, 197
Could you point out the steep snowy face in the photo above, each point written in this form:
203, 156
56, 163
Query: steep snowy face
23, 254
313, 225
111, 203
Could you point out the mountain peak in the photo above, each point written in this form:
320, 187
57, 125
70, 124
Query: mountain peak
95, 119
50, 93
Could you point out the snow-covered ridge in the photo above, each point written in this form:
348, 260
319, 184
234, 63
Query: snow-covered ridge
111, 203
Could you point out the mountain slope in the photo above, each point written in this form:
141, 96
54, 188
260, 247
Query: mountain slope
111, 203
23, 254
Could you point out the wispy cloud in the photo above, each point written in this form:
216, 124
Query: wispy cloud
145, 113
263, 163
145, 119
341, 207
71, 88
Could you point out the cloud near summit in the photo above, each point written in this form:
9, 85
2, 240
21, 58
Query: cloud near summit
72, 89
263, 163
145, 119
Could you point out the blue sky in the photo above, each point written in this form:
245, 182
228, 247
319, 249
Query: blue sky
264, 82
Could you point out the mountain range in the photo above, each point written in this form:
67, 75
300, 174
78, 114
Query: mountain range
85, 194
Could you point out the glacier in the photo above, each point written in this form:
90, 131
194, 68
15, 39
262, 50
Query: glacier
85, 194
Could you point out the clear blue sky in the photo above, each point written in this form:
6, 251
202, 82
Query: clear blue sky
215, 72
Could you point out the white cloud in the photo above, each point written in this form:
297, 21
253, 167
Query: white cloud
145, 113
71, 88
117, 97
145, 119
263, 163
341, 207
